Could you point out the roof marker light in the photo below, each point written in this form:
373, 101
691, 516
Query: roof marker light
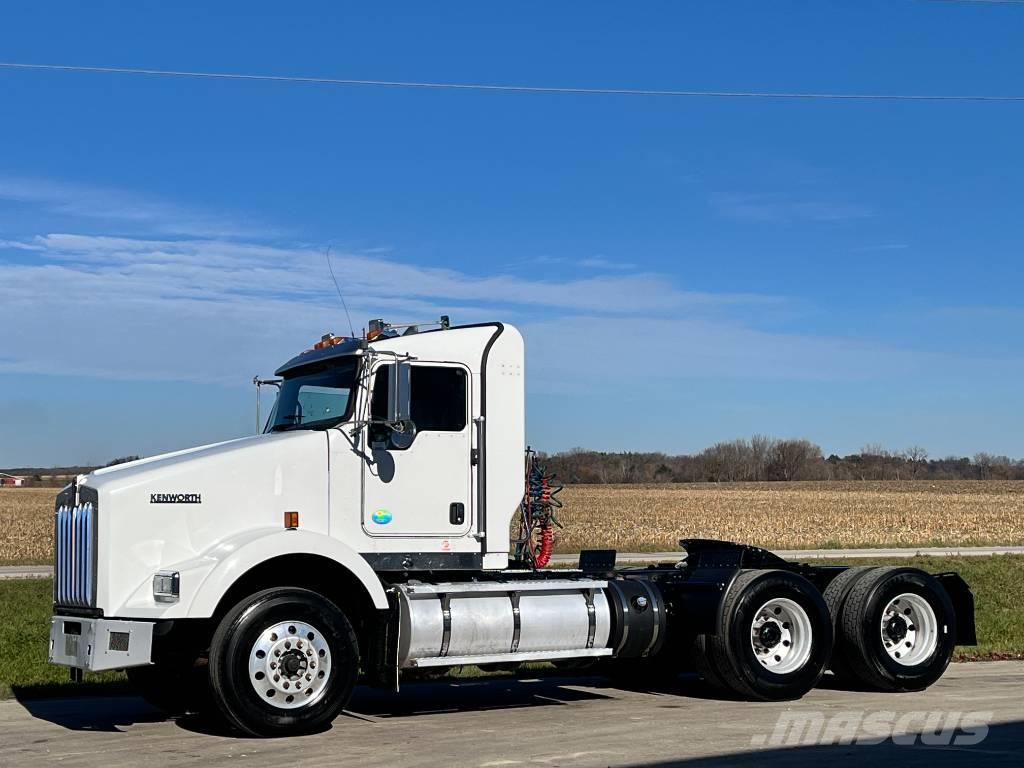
329, 340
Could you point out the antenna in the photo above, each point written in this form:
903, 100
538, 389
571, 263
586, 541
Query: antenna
351, 330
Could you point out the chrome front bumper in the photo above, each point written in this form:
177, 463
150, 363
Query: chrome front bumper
99, 644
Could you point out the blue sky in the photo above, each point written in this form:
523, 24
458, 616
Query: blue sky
684, 270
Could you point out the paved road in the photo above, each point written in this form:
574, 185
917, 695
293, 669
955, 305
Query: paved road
504, 723
45, 571
26, 571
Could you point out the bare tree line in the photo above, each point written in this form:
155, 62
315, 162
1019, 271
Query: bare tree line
764, 458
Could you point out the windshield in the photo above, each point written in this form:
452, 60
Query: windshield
316, 397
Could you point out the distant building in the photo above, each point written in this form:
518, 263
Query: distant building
11, 481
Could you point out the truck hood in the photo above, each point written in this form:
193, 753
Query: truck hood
156, 513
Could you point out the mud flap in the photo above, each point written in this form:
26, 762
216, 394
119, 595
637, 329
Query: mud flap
963, 604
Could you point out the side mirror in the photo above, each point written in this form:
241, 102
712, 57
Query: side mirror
399, 393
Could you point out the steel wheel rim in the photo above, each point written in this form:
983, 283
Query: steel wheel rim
909, 629
290, 664
781, 636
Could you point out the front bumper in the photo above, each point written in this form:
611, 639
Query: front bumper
99, 644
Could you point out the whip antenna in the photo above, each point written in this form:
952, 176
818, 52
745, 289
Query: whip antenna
351, 330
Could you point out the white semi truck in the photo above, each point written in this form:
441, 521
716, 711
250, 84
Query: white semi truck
365, 533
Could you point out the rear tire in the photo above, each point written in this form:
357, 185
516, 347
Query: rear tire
705, 665
283, 662
774, 637
835, 596
897, 630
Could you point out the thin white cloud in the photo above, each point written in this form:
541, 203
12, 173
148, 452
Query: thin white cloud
205, 309
777, 209
209, 268
209, 307
128, 210
599, 262
884, 247
219, 311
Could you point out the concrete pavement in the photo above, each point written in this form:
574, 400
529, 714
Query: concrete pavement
26, 571
504, 723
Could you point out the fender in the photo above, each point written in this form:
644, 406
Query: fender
206, 578
711, 567
274, 543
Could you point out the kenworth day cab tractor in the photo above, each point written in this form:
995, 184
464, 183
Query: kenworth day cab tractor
365, 534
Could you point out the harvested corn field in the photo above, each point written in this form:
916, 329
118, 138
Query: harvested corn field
634, 518
26, 525
653, 517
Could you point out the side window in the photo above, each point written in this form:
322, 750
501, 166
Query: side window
438, 402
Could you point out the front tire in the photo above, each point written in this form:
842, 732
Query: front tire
282, 662
774, 637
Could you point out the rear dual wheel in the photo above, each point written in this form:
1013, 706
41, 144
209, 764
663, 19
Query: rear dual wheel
773, 639
895, 629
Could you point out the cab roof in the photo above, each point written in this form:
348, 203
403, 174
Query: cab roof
347, 347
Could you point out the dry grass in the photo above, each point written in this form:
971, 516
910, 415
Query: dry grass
793, 515
652, 518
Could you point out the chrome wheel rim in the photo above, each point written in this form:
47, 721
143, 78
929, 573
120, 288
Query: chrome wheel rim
909, 629
290, 664
781, 636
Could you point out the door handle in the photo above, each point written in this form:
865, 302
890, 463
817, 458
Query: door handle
456, 513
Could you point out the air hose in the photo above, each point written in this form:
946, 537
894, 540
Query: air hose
537, 521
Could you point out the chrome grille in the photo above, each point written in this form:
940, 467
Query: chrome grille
75, 554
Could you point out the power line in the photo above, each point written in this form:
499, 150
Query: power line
982, 2
490, 87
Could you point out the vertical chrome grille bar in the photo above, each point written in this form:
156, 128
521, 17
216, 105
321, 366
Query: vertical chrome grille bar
58, 552
76, 518
79, 550
87, 561
65, 560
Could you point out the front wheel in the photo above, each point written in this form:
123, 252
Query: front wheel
283, 661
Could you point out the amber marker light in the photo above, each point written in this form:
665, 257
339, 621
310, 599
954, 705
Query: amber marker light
291, 520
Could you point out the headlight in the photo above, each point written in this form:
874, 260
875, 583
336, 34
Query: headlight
167, 587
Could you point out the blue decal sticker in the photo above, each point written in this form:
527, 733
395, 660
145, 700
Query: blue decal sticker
381, 517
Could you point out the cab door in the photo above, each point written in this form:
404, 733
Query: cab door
421, 486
